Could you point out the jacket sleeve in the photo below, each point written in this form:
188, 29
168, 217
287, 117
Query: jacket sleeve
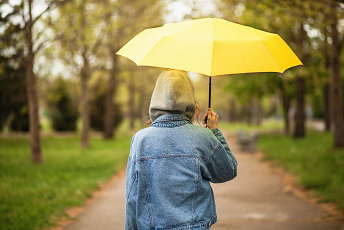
221, 165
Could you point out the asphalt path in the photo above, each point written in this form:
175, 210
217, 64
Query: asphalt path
259, 198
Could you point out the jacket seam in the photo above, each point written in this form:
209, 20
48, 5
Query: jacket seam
207, 223
170, 156
221, 168
132, 160
196, 190
213, 153
157, 125
217, 162
131, 185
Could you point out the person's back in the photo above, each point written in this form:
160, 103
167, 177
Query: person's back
169, 169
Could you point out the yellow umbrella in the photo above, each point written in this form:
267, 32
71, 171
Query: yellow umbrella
212, 47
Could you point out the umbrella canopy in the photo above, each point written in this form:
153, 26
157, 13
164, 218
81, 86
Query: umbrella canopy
212, 47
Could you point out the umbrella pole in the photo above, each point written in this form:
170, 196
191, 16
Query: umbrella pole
209, 102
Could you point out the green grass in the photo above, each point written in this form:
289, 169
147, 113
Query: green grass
266, 126
318, 166
35, 196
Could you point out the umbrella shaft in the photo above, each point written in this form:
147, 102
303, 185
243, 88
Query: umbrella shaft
209, 103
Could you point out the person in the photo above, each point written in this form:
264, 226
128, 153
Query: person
172, 162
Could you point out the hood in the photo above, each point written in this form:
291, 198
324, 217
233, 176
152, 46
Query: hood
173, 94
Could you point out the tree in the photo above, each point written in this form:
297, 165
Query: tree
87, 25
27, 24
13, 95
129, 18
270, 16
250, 89
337, 99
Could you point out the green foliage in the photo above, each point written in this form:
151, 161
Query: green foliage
97, 106
247, 86
13, 96
318, 105
319, 167
20, 119
35, 196
62, 109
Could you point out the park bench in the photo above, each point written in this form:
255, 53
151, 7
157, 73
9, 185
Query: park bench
247, 143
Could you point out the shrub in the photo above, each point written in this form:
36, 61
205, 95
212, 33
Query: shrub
97, 107
61, 109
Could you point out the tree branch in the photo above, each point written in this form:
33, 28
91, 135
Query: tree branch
50, 6
40, 46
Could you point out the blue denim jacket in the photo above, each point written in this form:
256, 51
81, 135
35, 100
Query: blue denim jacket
170, 167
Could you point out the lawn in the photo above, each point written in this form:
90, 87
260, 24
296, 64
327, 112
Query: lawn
266, 126
318, 166
35, 196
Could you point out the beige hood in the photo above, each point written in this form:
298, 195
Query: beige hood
173, 94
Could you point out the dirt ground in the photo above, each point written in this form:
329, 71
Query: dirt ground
261, 197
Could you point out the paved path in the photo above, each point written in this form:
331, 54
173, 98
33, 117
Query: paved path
256, 199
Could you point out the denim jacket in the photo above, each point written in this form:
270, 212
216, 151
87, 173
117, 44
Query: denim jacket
170, 167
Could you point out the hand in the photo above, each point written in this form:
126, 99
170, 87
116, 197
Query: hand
213, 119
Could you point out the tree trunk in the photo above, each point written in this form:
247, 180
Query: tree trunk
131, 102
144, 105
300, 115
233, 114
327, 106
337, 100
35, 142
109, 105
259, 112
249, 112
85, 114
286, 107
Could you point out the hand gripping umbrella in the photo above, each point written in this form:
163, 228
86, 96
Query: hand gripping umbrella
212, 47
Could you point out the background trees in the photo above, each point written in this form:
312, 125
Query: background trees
21, 21
79, 40
13, 97
61, 106
312, 29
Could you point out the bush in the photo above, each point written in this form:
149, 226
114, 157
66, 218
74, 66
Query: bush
20, 120
13, 96
61, 109
318, 105
97, 107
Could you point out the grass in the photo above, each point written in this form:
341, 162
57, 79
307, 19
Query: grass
266, 126
35, 196
318, 166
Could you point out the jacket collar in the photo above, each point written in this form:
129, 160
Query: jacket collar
171, 120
